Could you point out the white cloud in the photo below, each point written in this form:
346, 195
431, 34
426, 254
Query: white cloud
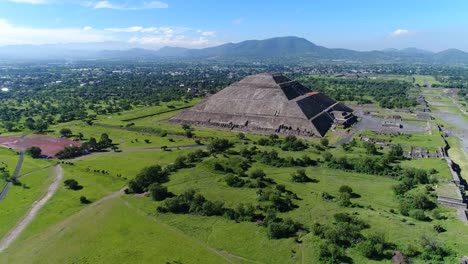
87, 28
109, 5
238, 21
168, 36
208, 33
176, 41
33, 2
154, 30
400, 32
12, 35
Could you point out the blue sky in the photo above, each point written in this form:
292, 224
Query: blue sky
361, 25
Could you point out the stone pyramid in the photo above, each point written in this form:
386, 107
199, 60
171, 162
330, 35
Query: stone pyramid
269, 103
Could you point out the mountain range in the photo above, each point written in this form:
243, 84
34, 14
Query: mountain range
273, 48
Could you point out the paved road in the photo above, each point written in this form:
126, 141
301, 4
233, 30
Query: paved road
16, 172
19, 228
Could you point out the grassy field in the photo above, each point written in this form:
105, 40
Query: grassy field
422, 140
19, 198
127, 228
111, 232
211, 238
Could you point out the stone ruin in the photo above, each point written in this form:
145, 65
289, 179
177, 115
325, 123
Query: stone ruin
422, 153
269, 103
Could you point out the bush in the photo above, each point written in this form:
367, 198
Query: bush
373, 247
432, 249
291, 143
284, 229
257, 174
324, 142
326, 196
418, 214
34, 152
300, 176
439, 228
66, 132
331, 253
158, 192
327, 156
72, 184
344, 200
84, 200
345, 189
147, 176
234, 181
219, 145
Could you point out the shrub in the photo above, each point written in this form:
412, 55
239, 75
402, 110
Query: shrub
84, 200
331, 253
219, 145
234, 181
324, 142
158, 192
344, 200
34, 152
326, 196
345, 189
72, 184
373, 247
300, 176
439, 228
147, 176
284, 229
257, 174
418, 214
327, 156
432, 249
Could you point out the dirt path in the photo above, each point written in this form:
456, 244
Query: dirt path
19, 228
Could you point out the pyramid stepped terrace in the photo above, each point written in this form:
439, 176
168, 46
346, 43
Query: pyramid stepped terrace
269, 103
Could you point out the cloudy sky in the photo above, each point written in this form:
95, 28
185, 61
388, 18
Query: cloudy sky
355, 24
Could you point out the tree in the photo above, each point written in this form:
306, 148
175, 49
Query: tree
9, 126
324, 142
158, 192
345, 189
373, 247
84, 200
72, 184
300, 176
257, 174
282, 229
327, 156
34, 152
66, 132
30, 123
41, 125
105, 141
396, 152
344, 200
370, 148
147, 176
219, 145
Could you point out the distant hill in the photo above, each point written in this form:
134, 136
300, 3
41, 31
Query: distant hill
451, 56
273, 48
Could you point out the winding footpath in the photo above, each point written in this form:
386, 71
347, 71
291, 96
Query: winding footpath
19, 228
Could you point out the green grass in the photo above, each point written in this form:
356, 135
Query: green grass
129, 229
129, 236
419, 79
20, 199
422, 140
